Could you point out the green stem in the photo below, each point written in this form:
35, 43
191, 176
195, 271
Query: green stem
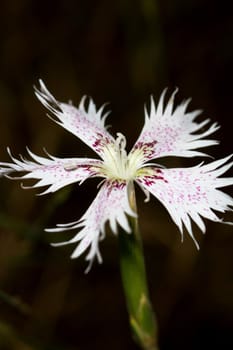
133, 273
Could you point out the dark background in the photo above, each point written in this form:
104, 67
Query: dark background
119, 52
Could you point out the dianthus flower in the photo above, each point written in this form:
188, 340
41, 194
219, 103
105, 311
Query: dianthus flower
188, 194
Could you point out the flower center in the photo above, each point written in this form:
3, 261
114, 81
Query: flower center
117, 165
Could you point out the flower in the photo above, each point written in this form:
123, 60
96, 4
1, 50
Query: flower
188, 194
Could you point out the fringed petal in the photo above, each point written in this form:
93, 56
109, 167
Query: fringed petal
111, 204
85, 123
190, 194
52, 172
170, 131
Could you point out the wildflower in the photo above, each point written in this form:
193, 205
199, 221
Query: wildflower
187, 193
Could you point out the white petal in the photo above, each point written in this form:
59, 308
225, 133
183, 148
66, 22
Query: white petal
111, 204
191, 193
4, 172
86, 124
52, 172
172, 132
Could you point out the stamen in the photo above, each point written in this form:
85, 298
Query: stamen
70, 167
121, 141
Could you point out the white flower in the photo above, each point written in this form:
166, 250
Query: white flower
187, 193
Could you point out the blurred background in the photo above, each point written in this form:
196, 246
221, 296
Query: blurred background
118, 52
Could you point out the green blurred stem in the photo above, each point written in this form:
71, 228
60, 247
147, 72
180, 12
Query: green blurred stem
133, 273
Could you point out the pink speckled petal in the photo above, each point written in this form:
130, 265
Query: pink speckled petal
169, 132
111, 204
52, 172
191, 193
86, 124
